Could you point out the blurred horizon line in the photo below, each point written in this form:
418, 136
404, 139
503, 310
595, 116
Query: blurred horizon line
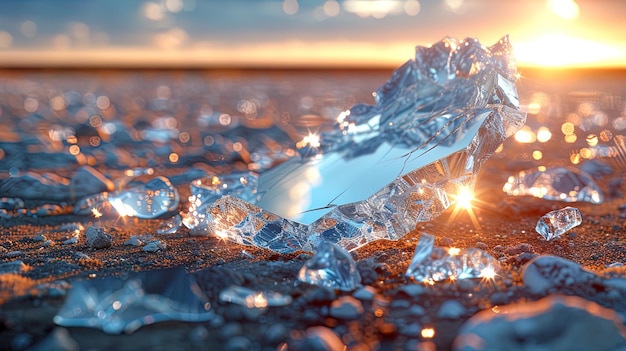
295, 67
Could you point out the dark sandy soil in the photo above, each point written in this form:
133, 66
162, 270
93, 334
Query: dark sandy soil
389, 321
394, 311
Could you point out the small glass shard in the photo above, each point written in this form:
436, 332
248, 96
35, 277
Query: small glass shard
205, 191
254, 299
331, 267
170, 226
557, 183
434, 264
241, 185
118, 305
555, 223
151, 200
384, 167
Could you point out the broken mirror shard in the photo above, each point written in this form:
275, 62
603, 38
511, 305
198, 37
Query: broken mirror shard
384, 167
434, 264
252, 298
150, 200
555, 223
123, 305
556, 183
331, 267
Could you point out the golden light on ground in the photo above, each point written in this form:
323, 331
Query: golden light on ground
428, 333
453, 251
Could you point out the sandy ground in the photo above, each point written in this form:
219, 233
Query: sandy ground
506, 231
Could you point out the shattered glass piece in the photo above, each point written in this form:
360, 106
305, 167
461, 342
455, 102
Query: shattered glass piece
170, 226
388, 166
434, 264
242, 185
254, 299
555, 223
205, 191
151, 200
567, 184
118, 305
331, 267
243, 223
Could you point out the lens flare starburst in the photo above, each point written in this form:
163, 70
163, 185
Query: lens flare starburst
464, 201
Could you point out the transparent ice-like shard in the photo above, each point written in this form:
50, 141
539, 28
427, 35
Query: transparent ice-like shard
556, 183
331, 267
252, 298
555, 223
118, 305
433, 264
241, 185
388, 166
170, 226
150, 200
205, 191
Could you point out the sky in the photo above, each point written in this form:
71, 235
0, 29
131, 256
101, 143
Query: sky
302, 33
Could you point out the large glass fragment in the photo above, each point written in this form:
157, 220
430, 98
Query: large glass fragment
567, 184
123, 305
151, 200
555, 223
388, 166
331, 267
433, 264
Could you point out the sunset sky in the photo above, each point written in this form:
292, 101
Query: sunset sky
299, 33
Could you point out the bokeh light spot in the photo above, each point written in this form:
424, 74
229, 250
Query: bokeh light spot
6, 40
291, 7
592, 140
331, 8
543, 134
74, 150
28, 29
173, 157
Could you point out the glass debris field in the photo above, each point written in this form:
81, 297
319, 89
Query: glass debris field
497, 185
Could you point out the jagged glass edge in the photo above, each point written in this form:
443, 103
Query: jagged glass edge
341, 271
395, 210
